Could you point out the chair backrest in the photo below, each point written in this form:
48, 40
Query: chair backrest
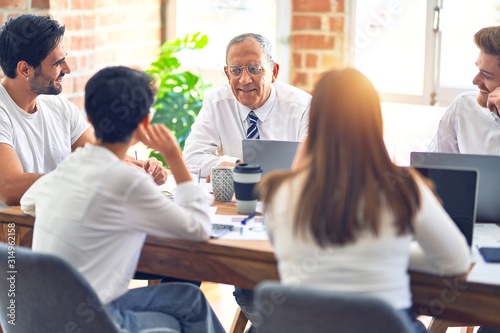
41, 293
303, 310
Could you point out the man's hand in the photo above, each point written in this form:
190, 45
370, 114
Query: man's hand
159, 138
493, 101
154, 168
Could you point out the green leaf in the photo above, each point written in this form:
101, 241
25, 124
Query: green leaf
180, 93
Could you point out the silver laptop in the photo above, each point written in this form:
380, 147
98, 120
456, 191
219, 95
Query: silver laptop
269, 154
488, 166
457, 188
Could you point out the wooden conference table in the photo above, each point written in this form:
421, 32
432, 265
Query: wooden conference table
246, 263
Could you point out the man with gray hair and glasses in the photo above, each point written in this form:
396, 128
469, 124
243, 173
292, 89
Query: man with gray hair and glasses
253, 104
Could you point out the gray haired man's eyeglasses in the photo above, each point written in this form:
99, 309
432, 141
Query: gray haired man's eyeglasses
253, 69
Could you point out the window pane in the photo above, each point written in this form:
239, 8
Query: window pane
460, 20
389, 44
221, 20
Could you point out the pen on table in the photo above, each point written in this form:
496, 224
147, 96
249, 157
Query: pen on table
248, 218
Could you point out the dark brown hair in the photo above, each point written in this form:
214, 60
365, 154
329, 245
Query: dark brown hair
349, 174
488, 40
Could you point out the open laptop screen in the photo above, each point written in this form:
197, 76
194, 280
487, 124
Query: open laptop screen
457, 188
269, 154
488, 166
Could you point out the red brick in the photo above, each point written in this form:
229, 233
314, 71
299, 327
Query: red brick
341, 6
17, 4
299, 79
297, 60
88, 21
312, 42
311, 6
337, 24
82, 4
83, 62
72, 22
72, 62
302, 22
15, 14
80, 43
40, 4
311, 60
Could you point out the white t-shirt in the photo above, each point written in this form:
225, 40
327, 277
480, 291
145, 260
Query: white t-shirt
42, 139
95, 211
373, 266
222, 123
467, 128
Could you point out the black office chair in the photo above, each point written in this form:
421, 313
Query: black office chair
303, 310
41, 293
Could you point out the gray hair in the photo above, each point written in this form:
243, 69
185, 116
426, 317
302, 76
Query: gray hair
264, 43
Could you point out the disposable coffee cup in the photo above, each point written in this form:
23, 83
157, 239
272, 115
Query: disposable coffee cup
245, 177
222, 182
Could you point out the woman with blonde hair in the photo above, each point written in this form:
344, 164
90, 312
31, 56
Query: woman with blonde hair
359, 221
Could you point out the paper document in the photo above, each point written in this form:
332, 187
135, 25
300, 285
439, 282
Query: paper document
485, 235
483, 272
254, 229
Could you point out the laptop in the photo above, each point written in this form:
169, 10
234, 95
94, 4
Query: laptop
269, 154
457, 188
488, 199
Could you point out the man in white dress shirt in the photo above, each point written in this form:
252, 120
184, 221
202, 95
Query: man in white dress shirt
471, 124
281, 109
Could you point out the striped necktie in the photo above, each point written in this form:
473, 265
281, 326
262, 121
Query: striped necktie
253, 131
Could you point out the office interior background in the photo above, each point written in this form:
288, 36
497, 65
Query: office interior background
418, 53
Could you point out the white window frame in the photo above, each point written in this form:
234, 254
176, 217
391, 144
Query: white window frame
433, 93
281, 44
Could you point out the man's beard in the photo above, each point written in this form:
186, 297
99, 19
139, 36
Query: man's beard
481, 102
43, 84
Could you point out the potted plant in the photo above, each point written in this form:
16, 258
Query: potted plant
180, 93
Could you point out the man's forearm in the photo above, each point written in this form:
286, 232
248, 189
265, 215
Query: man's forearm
11, 191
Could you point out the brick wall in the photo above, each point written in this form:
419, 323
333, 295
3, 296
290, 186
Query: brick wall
128, 32
317, 39
98, 33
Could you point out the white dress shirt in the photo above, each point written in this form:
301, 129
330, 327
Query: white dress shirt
95, 211
468, 128
373, 265
222, 123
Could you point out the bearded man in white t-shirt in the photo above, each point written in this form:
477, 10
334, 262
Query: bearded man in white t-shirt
38, 128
